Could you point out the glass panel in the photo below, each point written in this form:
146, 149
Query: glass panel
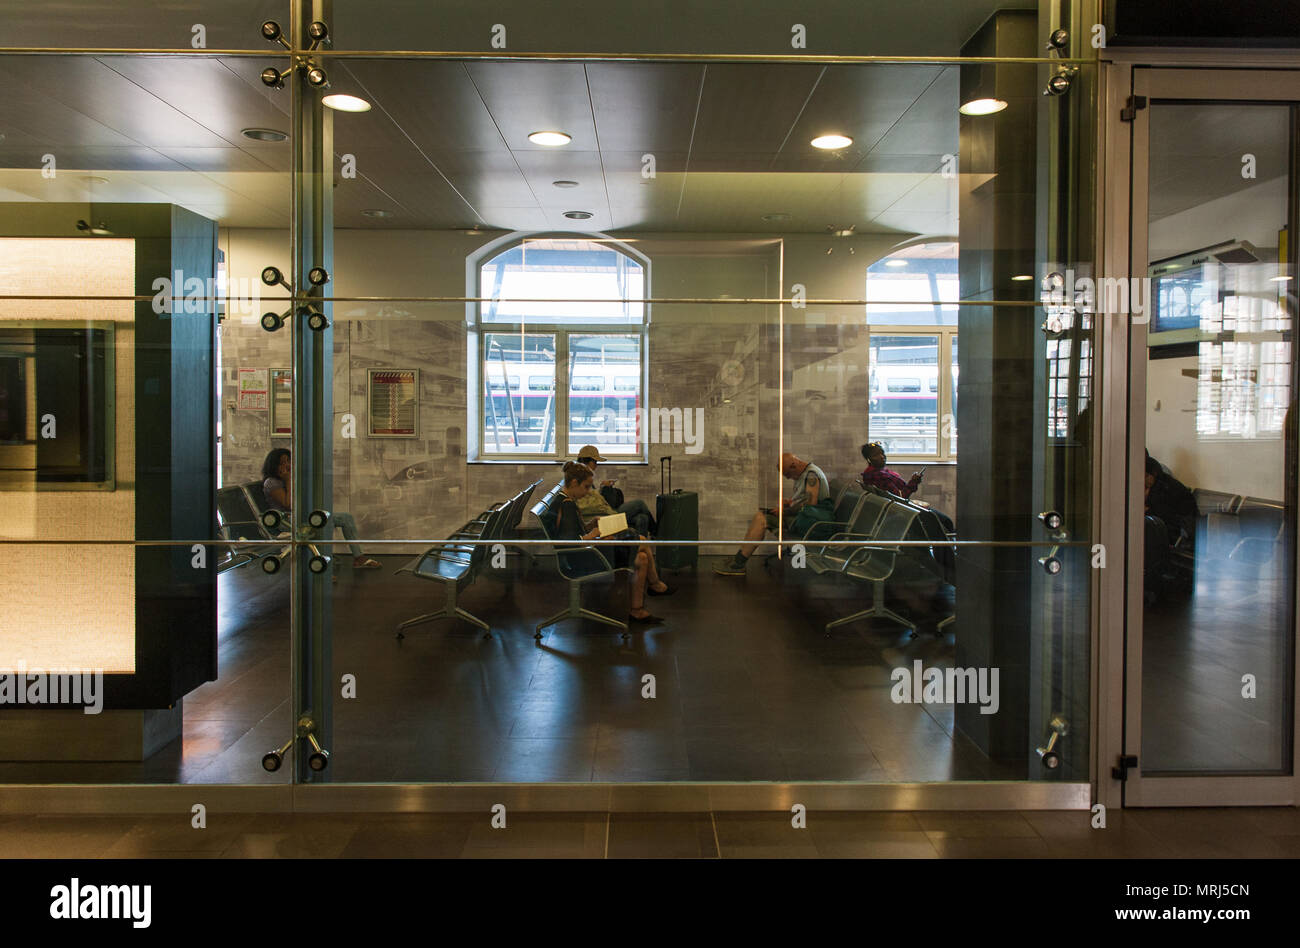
903, 408
749, 686
830, 29
1219, 577
124, 553
179, 25
519, 396
605, 396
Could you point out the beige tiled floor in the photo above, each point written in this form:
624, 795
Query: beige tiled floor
1185, 833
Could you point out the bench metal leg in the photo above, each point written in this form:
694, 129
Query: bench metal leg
451, 610
576, 611
944, 623
877, 611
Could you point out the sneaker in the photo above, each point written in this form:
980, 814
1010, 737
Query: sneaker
732, 567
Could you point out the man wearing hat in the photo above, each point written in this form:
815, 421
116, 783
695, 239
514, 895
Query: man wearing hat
595, 504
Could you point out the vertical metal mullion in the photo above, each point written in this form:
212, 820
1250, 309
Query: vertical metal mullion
945, 392
562, 372
311, 236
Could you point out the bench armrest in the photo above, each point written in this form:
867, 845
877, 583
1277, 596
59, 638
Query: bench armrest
588, 548
823, 526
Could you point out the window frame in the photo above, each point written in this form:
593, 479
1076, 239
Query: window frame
478, 451
944, 338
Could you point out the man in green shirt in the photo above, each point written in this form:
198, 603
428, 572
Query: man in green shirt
638, 513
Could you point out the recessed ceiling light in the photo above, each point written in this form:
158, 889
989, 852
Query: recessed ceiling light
1021, 277
578, 215
345, 103
550, 138
565, 184
831, 141
982, 107
843, 231
376, 212
264, 135
776, 218
895, 263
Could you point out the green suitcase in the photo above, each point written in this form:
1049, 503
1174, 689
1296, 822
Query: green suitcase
678, 514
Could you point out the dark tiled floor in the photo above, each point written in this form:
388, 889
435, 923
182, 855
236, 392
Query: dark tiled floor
746, 687
1183, 833
1199, 639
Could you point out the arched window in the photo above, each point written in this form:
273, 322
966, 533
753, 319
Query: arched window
911, 298
557, 348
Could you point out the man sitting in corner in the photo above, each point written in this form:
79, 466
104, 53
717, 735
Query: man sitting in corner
1170, 523
811, 489
879, 476
594, 504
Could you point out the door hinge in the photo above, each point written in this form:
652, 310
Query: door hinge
1135, 104
1126, 762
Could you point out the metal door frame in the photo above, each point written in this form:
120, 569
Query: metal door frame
1122, 230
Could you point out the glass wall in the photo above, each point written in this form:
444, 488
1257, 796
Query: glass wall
735, 289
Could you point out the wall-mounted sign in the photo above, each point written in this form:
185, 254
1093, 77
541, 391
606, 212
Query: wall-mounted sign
281, 403
394, 402
252, 390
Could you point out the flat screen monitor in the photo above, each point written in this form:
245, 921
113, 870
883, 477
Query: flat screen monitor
1177, 297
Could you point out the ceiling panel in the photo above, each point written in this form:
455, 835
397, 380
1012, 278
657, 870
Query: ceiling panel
445, 144
522, 98
85, 87
863, 102
748, 108
644, 107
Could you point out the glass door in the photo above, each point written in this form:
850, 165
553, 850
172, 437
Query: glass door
1210, 712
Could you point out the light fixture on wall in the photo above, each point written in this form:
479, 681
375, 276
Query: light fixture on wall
831, 142
1022, 277
565, 184
982, 106
896, 263
550, 139
578, 215
97, 230
377, 213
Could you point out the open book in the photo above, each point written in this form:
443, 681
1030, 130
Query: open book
615, 523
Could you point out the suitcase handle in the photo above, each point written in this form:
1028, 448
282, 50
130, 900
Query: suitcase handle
668, 458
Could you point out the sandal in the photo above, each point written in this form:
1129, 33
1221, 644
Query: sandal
644, 620
667, 591
367, 563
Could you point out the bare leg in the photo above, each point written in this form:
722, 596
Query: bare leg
652, 570
757, 530
638, 585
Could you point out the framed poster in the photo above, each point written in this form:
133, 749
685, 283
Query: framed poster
252, 390
394, 398
281, 403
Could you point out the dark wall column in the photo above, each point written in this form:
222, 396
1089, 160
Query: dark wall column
996, 489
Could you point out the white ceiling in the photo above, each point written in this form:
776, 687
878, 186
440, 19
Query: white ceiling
445, 145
